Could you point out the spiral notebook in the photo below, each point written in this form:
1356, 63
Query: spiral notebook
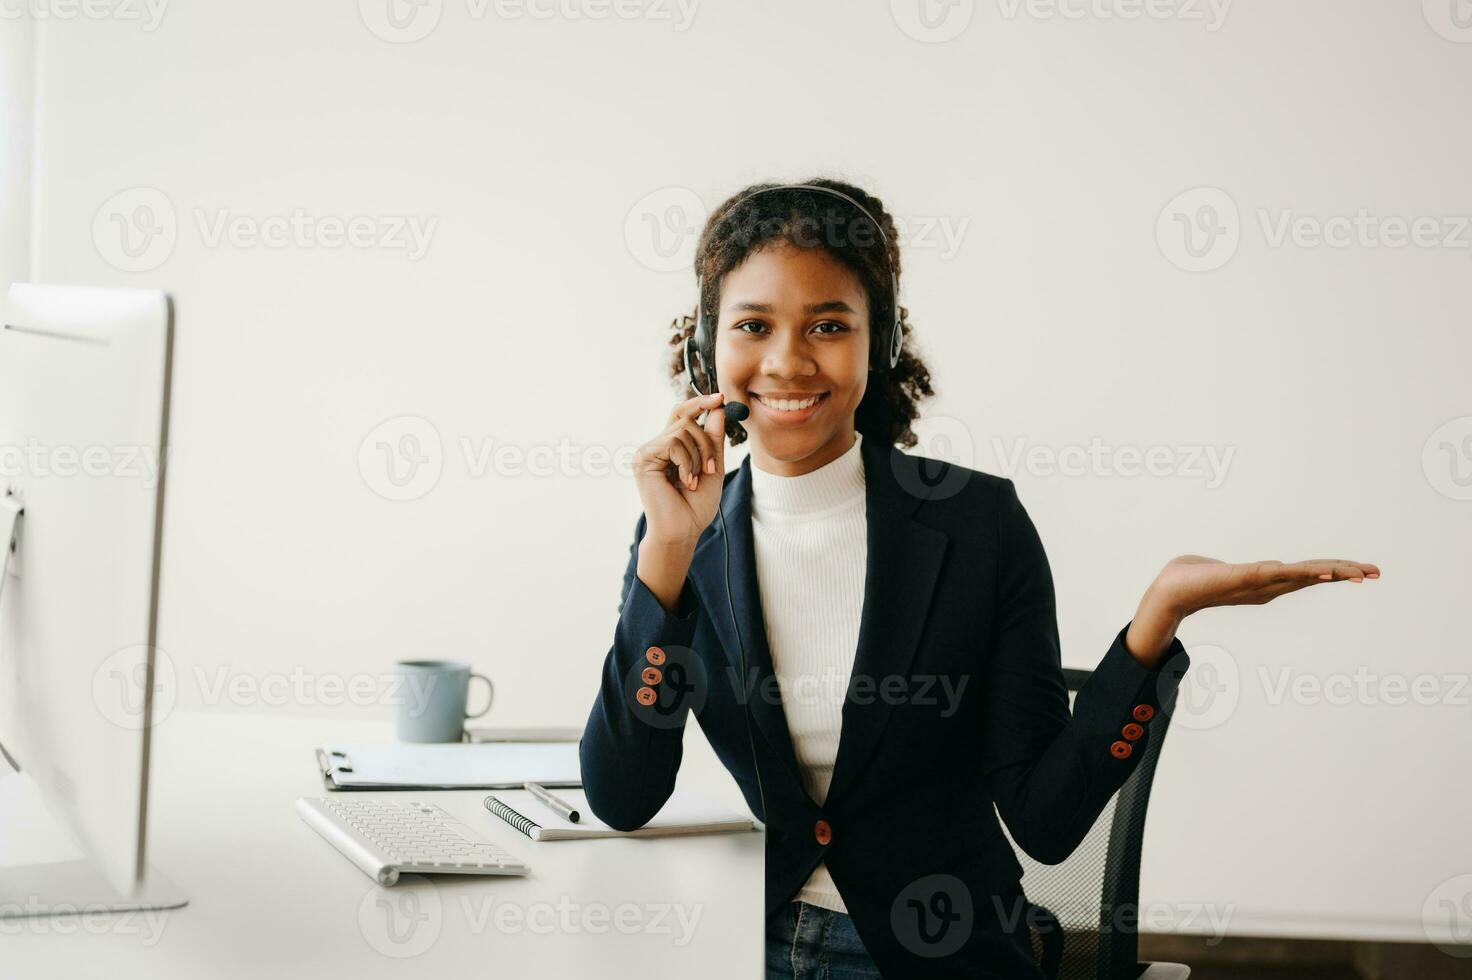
683, 813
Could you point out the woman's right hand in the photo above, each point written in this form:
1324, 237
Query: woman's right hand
681, 472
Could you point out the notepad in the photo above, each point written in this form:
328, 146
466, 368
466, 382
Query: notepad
683, 813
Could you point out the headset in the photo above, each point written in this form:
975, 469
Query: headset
883, 356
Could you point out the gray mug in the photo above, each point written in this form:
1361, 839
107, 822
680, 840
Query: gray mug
432, 699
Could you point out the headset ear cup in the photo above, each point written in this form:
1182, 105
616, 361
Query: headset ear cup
700, 341
699, 369
694, 365
707, 369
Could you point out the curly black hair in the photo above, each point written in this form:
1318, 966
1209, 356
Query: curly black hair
808, 219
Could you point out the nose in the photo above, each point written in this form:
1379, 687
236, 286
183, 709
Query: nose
787, 356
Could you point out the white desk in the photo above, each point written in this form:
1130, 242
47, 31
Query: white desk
271, 900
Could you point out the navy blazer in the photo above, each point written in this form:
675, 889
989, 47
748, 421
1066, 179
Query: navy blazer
957, 702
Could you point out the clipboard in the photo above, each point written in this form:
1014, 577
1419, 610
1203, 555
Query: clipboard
450, 765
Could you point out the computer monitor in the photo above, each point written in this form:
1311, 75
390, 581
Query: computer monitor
84, 411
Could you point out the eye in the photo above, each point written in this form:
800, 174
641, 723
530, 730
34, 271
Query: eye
838, 327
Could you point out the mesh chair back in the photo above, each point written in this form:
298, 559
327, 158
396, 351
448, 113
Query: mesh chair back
1084, 910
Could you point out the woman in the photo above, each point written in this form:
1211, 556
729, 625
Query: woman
921, 588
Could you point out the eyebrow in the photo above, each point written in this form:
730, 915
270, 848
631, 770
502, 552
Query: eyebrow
831, 306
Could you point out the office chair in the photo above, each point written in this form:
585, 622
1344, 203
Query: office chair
1076, 934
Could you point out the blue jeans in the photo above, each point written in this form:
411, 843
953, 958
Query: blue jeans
806, 942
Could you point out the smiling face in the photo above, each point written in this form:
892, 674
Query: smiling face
794, 325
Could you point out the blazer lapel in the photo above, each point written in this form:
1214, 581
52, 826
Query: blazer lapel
708, 573
903, 563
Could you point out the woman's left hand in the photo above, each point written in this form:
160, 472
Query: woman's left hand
1191, 583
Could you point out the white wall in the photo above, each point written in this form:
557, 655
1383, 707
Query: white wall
1054, 143
17, 73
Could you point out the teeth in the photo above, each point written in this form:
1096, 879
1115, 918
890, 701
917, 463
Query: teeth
787, 405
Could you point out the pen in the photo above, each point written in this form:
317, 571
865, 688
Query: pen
561, 808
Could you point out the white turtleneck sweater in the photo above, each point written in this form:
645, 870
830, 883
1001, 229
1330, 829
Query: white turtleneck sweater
810, 537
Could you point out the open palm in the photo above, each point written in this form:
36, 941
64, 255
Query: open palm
1194, 582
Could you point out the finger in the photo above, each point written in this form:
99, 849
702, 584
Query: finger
1346, 568
704, 444
1338, 570
715, 426
691, 442
1313, 569
680, 455
654, 455
690, 454
1301, 575
691, 407
1273, 573
1342, 571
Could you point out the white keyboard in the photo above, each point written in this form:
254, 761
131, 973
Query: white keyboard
386, 838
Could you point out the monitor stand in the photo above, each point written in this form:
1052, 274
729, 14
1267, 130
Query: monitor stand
78, 888
44, 873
